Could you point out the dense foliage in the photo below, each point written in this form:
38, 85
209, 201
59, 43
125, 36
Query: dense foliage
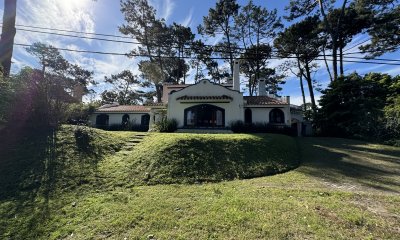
362, 107
78, 113
165, 125
260, 127
45, 97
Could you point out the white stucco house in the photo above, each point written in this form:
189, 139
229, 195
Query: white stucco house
203, 105
115, 114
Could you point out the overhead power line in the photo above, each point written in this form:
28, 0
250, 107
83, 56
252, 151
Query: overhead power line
221, 58
213, 47
137, 43
71, 31
104, 35
76, 36
377, 59
358, 44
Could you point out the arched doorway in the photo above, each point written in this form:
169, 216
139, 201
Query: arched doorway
145, 120
102, 120
248, 118
204, 115
125, 119
276, 116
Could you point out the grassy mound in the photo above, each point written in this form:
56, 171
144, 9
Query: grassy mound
66, 188
188, 158
60, 159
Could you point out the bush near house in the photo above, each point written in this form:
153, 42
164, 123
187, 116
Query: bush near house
241, 127
78, 113
165, 125
126, 127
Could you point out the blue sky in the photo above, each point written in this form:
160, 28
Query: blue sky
104, 16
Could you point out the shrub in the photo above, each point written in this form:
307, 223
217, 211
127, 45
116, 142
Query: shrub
241, 127
78, 113
139, 128
126, 127
116, 127
166, 125
82, 137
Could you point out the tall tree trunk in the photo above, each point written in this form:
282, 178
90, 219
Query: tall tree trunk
301, 85
341, 60
302, 92
334, 59
230, 52
340, 38
159, 92
326, 64
196, 77
8, 34
250, 86
184, 76
310, 87
333, 33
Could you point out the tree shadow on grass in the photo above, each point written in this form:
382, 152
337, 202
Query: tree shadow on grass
27, 171
33, 170
343, 161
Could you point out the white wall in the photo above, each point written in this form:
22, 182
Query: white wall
116, 118
233, 108
261, 115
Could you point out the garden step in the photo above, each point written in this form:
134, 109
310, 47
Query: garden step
204, 131
129, 145
128, 148
132, 142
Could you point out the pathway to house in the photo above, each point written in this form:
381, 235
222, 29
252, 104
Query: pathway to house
131, 143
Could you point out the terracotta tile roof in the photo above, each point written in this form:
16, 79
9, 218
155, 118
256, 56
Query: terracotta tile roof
123, 108
223, 97
154, 104
262, 100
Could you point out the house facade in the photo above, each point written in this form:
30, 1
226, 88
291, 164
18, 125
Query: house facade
209, 105
203, 105
114, 114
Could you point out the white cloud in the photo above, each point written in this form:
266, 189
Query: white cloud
75, 15
168, 7
394, 71
164, 8
274, 63
187, 22
298, 99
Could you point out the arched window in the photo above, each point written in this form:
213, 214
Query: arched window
102, 120
248, 118
125, 119
276, 116
204, 115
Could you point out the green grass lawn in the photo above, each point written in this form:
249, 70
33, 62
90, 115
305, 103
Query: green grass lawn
343, 189
194, 158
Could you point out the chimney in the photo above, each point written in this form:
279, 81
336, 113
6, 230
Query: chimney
78, 92
288, 99
261, 88
236, 78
